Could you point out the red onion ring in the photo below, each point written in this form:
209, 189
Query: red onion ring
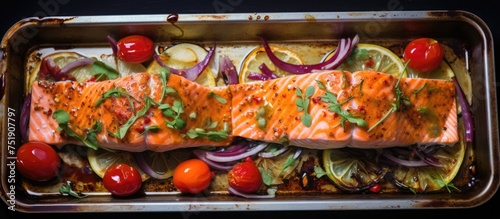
113, 43
190, 73
344, 49
232, 150
201, 154
250, 152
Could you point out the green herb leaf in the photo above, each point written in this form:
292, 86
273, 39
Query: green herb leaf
217, 97
174, 112
121, 132
303, 104
211, 135
319, 172
115, 92
153, 128
102, 71
335, 106
267, 177
62, 117
66, 189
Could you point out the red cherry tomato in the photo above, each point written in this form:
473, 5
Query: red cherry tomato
38, 161
135, 49
192, 176
245, 177
122, 180
424, 54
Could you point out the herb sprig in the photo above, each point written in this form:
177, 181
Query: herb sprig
335, 106
174, 111
102, 71
303, 104
397, 103
66, 189
90, 138
122, 131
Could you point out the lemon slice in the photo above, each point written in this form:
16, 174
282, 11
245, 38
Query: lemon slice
101, 159
258, 56
370, 56
432, 178
183, 56
279, 167
161, 165
351, 169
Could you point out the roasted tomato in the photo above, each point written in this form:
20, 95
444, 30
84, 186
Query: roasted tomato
245, 177
192, 176
135, 49
38, 161
122, 180
424, 54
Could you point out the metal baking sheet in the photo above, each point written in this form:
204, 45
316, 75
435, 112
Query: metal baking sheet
467, 36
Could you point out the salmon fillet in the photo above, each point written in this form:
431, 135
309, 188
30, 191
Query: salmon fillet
114, 112
430, 117
330, 109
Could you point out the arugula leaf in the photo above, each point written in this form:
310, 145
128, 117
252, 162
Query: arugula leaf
267, 178
104, 71
335, 106
153, 128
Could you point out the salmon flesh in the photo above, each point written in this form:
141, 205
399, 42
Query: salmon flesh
321, 110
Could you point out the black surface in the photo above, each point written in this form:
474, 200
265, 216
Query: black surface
13, 11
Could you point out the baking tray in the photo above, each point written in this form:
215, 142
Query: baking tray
467, 36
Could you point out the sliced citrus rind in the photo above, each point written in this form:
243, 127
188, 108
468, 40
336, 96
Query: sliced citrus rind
161, 165
258, 56
367, 56
184, 56
432, 178
351, 170
101, 159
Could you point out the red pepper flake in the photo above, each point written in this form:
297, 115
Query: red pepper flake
316, 100
257, 99
370, 62
147, 120
140, 129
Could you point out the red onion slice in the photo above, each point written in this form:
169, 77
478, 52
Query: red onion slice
402, 162
466, 112
250, 152
190, 73
25, 118
343, 50
113, 43
271, 154
228, 71
232, 150
201, 154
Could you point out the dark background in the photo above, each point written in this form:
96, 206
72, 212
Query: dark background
13, 11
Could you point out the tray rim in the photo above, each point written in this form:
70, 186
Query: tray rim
246, 204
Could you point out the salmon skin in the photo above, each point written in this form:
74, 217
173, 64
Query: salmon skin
321, 110
137, 112
427, 113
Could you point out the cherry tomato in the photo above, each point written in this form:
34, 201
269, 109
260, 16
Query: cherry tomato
38, 161
122, 180
192, 176
135, 49
424, 54
245, 177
